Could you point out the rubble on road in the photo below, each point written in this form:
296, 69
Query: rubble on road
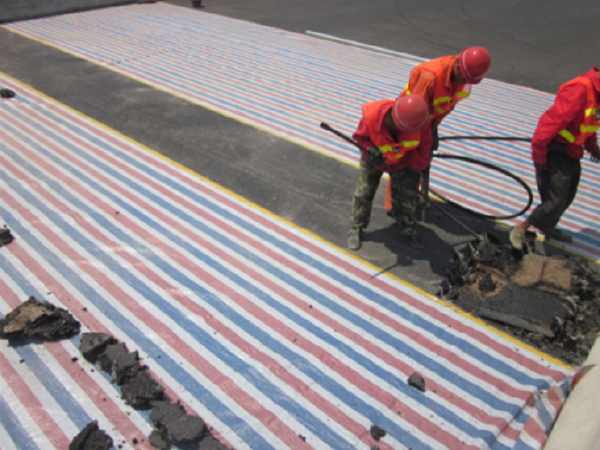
92, 345
377, 433
38, 319
91, 437
172, 425
550, 302
416, 381
6, 236
138, 386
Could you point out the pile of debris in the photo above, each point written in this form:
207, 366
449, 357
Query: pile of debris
42, 321
550, 302
172, 425
36, 319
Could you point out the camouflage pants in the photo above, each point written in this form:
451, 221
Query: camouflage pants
403, 198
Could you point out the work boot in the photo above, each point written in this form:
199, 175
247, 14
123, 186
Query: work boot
354, 240
414, 240
516, 238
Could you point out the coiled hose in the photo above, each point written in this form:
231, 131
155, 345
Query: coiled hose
489, 166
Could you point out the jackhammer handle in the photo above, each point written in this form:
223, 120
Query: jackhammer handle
327, 127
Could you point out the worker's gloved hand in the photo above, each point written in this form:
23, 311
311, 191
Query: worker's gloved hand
375, 157
7, 93
595, 155
410, 178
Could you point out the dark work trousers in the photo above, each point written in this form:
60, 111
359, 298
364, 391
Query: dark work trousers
403, 197
557, 186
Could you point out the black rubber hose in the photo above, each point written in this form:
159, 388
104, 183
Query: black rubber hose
489, 166
487, 138
328, 127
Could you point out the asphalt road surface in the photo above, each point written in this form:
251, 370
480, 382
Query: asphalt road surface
296, 183
539, 45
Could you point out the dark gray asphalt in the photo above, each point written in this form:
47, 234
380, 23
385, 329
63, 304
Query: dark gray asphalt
532, 43
297, 184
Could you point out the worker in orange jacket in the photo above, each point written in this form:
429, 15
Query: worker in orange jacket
395, 137
563, 132
443, 82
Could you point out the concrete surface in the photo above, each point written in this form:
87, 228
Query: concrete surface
11, 10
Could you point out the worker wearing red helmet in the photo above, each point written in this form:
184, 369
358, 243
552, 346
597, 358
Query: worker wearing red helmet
562, 134
443, 82
396, 137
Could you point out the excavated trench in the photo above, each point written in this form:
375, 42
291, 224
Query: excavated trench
550, 302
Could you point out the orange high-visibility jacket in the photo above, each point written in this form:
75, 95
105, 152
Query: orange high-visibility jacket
579, 130
391, 151
445, 95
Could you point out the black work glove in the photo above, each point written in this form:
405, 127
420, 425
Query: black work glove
7, 93
375, 157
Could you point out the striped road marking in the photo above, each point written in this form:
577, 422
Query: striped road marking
277, 339
289, 83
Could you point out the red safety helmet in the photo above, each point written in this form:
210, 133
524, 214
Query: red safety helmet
410, 112
474, 63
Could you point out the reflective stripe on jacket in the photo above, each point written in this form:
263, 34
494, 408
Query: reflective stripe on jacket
577, 132
393, 152
444, 99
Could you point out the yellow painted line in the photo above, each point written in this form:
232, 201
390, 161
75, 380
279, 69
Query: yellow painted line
306, 232
195, 102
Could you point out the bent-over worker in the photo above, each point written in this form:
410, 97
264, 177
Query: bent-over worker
443, 82
396, 138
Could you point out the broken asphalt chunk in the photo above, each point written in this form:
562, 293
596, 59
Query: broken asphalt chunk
109, 356
91, 345
532, 305
6, 236
91, 438
172, 425
163, 413
377, 433
141, 390
176, 426
7, 93
417, 381
125, 367
38, 319
514, 321
209, 442
158, 441
187, 430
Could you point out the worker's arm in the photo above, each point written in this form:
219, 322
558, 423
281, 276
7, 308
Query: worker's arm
362, 134
422, 155
567, 105
591, 145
